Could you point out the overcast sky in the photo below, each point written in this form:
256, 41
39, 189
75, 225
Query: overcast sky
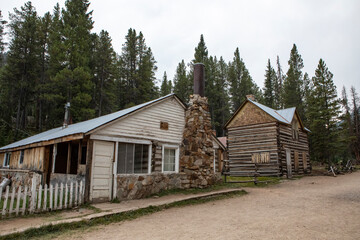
262, 29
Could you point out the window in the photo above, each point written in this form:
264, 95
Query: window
133, 158
170, 161
21, 158
7, 159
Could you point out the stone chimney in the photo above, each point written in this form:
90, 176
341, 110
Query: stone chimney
197, 153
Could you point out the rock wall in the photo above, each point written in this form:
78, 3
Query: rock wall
197, 152
20, 177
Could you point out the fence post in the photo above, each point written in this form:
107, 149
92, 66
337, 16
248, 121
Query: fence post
45, 198
71, 194
56, 195
76, 193
61, 195
51, 197
24, 200
66, 195
11, 208
5, 201
81, 192
33, 195
39, 198
18, 201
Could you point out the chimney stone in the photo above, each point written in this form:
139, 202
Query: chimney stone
251, 97
199, 79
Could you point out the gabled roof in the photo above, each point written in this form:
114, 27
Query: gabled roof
85, 126
283, 115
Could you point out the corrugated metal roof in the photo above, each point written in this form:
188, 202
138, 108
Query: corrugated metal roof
287, 113
81, 127
271, 112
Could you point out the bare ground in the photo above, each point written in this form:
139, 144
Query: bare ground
318, 207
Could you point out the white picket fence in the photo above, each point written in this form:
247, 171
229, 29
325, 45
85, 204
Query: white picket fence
35, 200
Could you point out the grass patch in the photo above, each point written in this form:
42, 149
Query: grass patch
55, 230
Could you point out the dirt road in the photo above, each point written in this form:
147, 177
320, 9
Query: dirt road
309, 208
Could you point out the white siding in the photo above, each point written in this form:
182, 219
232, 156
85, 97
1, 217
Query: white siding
145, 124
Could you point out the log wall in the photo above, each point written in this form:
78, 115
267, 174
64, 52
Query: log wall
247, 143
300, 160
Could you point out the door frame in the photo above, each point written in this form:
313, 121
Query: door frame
111, 170
288, 162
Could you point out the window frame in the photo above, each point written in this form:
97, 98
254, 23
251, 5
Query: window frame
21, 157
117, 158
7, 156
176, 148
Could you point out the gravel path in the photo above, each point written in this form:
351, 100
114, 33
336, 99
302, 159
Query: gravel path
309, 208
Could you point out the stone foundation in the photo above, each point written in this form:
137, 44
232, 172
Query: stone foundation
140, 186
20, 177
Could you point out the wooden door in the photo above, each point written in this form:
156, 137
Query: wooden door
101, 174
296, 161
288, 163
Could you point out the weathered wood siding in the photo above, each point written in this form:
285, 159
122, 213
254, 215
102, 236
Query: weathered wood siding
33, 159
299, 150
245, 141
145, 124
250, 115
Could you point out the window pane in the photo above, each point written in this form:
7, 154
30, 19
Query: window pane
138, 158
169, 160
129, 158
145, 159
121, 158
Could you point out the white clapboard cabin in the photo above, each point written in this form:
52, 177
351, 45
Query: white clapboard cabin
137, 142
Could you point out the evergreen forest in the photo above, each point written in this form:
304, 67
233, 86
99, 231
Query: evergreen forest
47, 61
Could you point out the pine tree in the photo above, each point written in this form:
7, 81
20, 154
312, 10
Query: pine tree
166, 86
278, 86
2, 42
201, 52
322, 113
346, 138
138, 68
219, 100
356, 123
182, 82
44, 29
292, 93
241, 83
72, 80
270, 86
104, 74
22, 69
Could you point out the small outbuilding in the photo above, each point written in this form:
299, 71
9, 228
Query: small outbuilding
266, 142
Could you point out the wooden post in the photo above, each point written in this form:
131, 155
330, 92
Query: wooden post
54, 158
45, 197
5, 201
81, 193
56, 196
24, 200
33, 195
11, 208
51, 197
71, 195
61, 195
76, 193
39, 199
66, 195
18, 201
1, 190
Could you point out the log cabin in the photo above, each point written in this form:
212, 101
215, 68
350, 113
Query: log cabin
127, 154
266, 142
